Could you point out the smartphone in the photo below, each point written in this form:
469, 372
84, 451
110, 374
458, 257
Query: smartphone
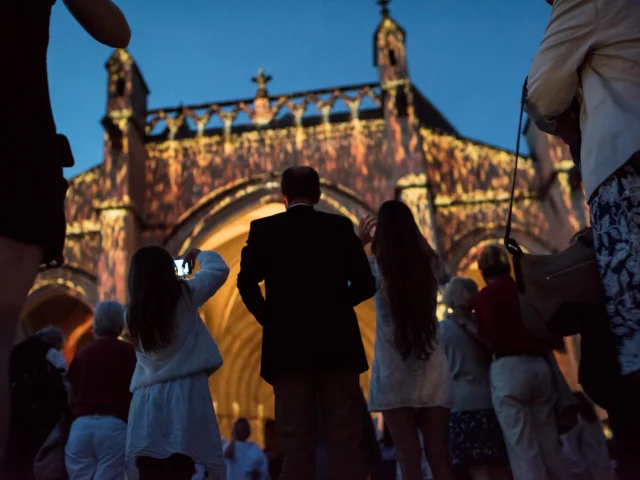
182, 270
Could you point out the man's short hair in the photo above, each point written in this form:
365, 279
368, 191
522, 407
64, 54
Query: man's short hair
301, 183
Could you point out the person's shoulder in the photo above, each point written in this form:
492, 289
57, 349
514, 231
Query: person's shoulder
261, 224
126, 348
445, 328
484, 294
336, 220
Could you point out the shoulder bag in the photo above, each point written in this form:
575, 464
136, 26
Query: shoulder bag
556, 291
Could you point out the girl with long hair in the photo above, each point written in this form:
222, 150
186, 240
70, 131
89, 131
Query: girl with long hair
172, 423
410, 378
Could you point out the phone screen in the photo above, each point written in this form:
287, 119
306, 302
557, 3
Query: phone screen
182, 271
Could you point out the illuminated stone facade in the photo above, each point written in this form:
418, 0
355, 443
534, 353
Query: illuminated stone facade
192, 176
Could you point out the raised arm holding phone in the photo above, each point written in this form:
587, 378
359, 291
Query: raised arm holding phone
33, 189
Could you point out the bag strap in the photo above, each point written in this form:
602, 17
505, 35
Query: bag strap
510, 243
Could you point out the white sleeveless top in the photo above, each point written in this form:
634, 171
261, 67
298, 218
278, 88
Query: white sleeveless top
397, 383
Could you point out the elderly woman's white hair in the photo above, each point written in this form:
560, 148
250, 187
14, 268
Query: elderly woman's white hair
460, 292
52, 336
108, 319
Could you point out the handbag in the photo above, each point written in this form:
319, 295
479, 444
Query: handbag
566, 405
50, 463
556, 291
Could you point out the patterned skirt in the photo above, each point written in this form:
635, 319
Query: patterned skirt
475, 438
615, 218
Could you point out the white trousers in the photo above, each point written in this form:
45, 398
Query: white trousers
96, 449
524, 400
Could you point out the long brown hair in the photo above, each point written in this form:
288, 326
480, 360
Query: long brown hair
154, 291
406, 262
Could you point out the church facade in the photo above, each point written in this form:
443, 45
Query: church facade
196, 176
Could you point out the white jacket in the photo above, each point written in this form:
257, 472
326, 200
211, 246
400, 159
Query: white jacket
591, 49
194, 350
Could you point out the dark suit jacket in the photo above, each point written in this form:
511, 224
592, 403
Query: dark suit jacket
315, 271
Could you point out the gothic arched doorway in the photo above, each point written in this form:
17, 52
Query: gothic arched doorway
59, 309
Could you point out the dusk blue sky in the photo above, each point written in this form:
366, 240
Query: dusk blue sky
468, 57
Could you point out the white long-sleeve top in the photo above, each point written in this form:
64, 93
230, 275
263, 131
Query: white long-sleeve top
172, 409
194, 350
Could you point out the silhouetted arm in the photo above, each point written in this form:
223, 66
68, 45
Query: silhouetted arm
362, 283
103, 20
252, 272
553, 80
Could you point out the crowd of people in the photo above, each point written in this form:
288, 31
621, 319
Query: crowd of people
477, 396
474, 396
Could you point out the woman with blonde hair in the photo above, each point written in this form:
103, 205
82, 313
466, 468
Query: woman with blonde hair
475, 437
522, 384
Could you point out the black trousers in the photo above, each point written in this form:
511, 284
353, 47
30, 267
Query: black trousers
176, 467
624, 420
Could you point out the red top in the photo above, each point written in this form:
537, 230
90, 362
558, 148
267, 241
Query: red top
100, 376
500, 323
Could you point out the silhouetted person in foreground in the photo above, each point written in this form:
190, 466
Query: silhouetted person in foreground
315, 273
32, 220
38, 400
273, 449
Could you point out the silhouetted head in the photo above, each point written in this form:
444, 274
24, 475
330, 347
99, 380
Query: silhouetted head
108, 320
52, 336
242, 429
154, 291
494, 262
406, 262
300, 184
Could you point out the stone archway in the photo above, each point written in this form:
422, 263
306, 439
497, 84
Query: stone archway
237, 389
67, 312
64, 297
464, 255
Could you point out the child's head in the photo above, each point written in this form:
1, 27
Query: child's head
154, 291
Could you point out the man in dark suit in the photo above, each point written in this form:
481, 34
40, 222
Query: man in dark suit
315, 271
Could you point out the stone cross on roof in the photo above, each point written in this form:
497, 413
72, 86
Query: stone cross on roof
261, 80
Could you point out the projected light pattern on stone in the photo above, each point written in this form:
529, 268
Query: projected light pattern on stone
197, 175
